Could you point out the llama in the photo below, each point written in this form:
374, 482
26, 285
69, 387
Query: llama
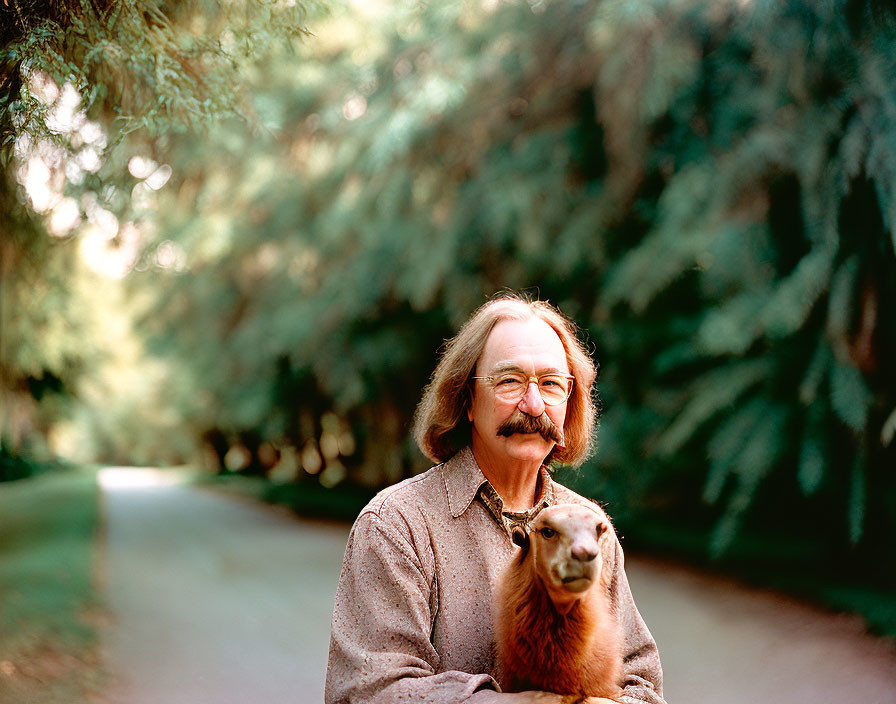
556, 628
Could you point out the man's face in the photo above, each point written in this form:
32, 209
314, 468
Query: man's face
531, 347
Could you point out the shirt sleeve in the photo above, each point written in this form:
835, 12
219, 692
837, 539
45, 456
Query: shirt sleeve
380, 649
642, 671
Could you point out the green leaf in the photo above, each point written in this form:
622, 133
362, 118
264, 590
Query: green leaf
727, 445
841, 302
850, 397
816, 373
667, 253
888, 430
793, 299
752, 464
857, 500
713, 392
813, 451
732, 327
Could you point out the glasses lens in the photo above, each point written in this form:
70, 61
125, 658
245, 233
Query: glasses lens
554, 389
510, 386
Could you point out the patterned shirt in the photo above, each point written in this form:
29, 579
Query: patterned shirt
413, 620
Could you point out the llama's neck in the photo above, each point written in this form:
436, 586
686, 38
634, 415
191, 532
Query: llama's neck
569, 625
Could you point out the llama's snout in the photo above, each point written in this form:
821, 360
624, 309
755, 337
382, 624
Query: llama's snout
579, 567
583, 552
567, 543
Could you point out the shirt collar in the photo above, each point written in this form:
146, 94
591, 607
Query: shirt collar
464, 480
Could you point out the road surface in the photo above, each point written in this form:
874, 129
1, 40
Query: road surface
217, 600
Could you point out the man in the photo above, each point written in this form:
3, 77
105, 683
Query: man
413, 616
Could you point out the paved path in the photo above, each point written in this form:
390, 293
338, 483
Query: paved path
217, 600
214, 600
724, 643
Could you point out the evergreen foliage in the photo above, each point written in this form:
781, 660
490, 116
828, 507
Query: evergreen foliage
137, 66
707, 188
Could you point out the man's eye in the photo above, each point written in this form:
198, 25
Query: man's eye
509, 381
551, 381
548, 532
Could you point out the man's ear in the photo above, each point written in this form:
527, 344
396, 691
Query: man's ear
520, 536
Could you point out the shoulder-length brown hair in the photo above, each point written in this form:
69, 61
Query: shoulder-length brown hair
440, 424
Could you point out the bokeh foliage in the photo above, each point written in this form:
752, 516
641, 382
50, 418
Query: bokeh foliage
139, 67
707, 188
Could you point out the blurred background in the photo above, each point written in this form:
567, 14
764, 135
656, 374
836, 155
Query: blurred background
234, 236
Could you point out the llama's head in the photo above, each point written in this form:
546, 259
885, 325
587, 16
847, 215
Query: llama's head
567, 544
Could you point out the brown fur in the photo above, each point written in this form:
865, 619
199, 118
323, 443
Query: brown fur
540, 648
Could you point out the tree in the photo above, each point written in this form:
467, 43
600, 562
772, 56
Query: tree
76, 78
705, 188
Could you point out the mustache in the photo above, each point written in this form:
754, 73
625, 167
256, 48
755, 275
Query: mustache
520, 422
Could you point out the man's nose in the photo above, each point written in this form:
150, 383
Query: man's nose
532, 403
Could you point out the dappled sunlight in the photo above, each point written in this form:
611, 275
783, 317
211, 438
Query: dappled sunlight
52, 172
129, 478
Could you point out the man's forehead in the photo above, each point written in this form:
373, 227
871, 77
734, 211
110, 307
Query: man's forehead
517, 343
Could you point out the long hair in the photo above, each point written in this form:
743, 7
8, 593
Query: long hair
440, 424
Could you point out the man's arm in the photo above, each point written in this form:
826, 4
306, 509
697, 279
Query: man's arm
490, 697
642, 672
380, 649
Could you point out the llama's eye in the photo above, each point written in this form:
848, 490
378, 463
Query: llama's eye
548, 532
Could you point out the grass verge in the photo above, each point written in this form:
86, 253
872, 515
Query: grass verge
48, 644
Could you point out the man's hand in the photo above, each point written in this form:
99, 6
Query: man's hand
548, 698
533, 697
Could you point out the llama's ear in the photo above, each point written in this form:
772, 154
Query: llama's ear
520, 536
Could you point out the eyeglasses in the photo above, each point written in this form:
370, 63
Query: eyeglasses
554, 388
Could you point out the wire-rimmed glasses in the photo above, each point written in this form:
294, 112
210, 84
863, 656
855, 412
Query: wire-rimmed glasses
554, 388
